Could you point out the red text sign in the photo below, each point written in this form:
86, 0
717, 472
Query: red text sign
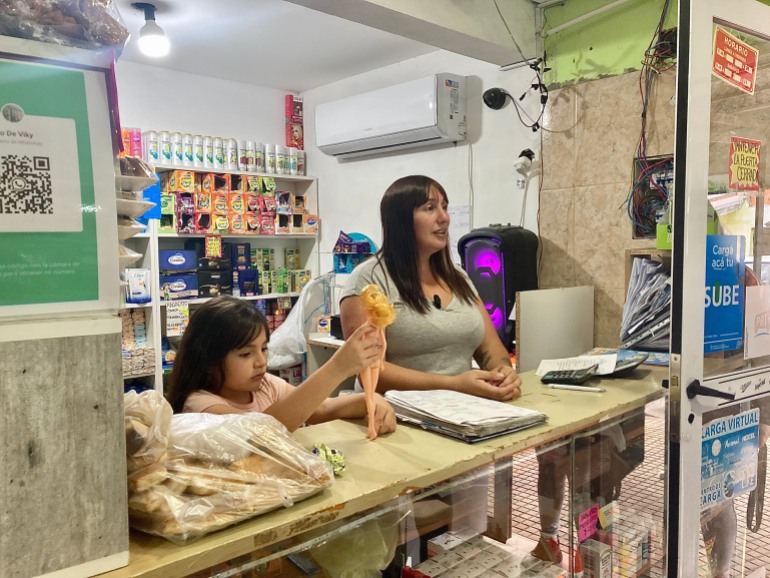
734, 61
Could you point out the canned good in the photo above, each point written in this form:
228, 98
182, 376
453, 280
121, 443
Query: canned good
230, 154
151, 147
177, 153
164, 148
259, 157
208, 152
187, 150
219, 153
197, 151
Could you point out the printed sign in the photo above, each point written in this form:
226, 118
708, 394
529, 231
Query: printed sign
587, 523
213, 246
723, 327
734, 61
729, 449
177, 317
757, 321
744, 164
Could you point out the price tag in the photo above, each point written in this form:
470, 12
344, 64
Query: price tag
177, 317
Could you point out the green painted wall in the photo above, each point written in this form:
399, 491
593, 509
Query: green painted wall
608, 44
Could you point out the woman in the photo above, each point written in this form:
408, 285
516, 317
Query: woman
440, 321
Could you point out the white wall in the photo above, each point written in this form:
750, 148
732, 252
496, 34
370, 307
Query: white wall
350, 191
161, 99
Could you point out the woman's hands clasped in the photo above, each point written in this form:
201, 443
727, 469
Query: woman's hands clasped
502, 384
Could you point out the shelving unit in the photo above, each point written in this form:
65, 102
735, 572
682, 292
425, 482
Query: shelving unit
151, 241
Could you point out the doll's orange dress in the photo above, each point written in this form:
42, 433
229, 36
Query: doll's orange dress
380, 314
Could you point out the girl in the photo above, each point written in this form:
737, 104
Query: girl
221, 367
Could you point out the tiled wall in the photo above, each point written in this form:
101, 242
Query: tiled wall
591, 131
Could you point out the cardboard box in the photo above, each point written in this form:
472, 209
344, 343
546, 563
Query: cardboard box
176, 260
597, 559
167, 223
204, 224
214, 264
236, 203
168, 204
310, 223
177, 181
237, 224
213, 283
184, 286
293, 108
221, 223
241, 256
202, 202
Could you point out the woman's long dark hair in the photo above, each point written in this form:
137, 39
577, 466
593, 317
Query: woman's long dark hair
399, 244
216, 328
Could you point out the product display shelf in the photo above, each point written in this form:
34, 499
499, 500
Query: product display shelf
200, 300
306, 243
296, 178
279, 236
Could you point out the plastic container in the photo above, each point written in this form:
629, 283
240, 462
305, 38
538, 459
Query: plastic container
270, 158
219, 153
198, 153
208, 152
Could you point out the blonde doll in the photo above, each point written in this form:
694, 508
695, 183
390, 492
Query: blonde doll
380, 314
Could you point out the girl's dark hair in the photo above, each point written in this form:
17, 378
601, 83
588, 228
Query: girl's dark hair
399, 244
216, 328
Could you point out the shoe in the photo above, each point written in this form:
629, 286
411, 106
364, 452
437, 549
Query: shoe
548, 550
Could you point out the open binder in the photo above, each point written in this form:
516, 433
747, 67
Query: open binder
462, 416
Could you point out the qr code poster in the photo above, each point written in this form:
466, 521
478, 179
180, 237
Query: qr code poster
39, 175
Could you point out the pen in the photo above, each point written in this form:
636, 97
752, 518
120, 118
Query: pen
575, 387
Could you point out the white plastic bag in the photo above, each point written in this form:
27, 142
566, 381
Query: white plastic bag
288, 343
209, 471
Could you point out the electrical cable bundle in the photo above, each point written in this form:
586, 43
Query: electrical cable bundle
648, 195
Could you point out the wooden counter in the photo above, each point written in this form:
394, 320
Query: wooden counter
393, 465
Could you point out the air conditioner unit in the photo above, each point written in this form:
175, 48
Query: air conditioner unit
421, 112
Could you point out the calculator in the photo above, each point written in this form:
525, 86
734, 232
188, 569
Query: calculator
570, 376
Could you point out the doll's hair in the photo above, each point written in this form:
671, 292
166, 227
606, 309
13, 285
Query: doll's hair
399, 243
216, 328
381, 312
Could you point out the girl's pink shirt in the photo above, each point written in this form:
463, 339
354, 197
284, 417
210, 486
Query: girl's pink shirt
273, 388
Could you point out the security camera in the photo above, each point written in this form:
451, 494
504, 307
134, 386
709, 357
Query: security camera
523, 164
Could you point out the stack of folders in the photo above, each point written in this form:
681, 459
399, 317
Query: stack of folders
646, 323
460, 415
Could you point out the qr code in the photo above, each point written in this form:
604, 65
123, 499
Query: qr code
25, 185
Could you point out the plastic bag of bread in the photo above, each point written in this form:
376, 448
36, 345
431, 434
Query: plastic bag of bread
81, 23
219, 470
147, 418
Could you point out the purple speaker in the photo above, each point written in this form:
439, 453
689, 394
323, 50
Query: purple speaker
500, 260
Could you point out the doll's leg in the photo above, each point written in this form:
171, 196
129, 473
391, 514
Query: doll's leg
369, 383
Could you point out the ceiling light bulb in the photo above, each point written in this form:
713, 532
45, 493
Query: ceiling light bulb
152, 40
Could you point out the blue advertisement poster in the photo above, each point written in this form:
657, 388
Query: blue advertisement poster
729, 450
723, 328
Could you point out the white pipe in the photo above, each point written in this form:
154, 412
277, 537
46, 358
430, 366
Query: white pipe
586, 16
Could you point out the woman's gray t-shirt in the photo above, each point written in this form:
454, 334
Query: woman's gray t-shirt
442, 341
